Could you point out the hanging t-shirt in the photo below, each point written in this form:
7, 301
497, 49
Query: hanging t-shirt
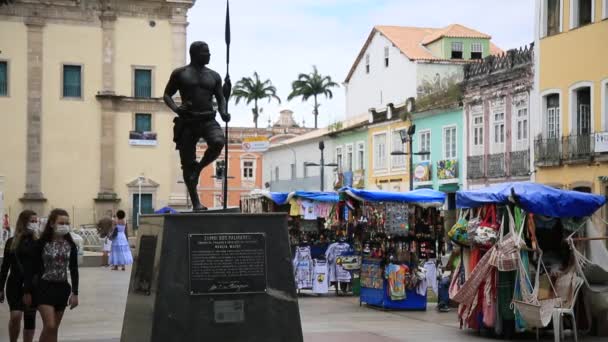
337, 272
320, 283
309, 210
323, 209
396, 281
294, 209
302, 265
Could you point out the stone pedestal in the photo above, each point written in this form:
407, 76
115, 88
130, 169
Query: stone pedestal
212, 277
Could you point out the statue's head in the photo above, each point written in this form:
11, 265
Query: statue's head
199, 53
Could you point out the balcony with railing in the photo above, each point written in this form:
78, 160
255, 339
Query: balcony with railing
520, 163
547, 151
143, 91
578, 148
476, 167
496, 165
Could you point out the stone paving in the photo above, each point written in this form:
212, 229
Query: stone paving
324, 319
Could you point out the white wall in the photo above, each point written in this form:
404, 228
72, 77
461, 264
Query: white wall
285, 155
396, 82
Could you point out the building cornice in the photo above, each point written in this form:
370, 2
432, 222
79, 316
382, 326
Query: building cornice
117, 103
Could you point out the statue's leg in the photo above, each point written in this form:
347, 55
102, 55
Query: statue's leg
214, 136
187, 154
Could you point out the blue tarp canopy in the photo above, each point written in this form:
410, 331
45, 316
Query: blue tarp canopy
278, 197
317, 196
424, 197
535, 198
166, 210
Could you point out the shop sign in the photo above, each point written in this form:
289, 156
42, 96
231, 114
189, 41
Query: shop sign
422, 172
142, 138
447, 169
601, 142
256, 144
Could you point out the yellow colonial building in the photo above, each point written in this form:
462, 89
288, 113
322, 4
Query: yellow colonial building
571, 145
82, 123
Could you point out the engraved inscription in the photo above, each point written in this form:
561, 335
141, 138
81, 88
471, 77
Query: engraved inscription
227, 263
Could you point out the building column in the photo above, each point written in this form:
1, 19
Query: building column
107, 200
33, 198
178, 197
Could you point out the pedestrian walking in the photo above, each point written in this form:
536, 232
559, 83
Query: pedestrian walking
121, 251
47, 279
18, 251
105, 230
6, 228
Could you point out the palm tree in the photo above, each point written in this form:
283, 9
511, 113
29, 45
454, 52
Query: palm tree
252, 90
313, 84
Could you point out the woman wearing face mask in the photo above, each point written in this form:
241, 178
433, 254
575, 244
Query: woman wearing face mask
47, 279
18, 252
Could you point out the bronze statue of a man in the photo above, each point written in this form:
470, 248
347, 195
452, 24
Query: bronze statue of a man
196, 84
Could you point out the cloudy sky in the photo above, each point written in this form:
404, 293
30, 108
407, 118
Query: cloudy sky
282, 38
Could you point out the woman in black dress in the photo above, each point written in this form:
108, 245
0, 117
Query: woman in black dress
18, 252
47, 279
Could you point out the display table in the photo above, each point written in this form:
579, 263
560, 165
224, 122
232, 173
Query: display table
374, 290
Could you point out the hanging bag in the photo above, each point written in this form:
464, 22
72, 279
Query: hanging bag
458, 232
473, 224
506, 255
486, 234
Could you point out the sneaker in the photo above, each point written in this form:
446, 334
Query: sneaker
444, 309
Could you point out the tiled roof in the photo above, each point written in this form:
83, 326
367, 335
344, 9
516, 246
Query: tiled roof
454, 31
410, 41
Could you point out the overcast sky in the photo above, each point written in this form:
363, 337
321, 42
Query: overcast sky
282, 38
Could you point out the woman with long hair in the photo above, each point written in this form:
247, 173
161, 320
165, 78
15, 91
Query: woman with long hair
47, 279
121, 251
18, 252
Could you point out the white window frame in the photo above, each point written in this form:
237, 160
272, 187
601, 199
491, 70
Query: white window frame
350, 158
386, 55
340, 157
380, 157
545, 18
452, 49
474, 45
421, 145
545, 114
573, 99
604, 100
244, 159
498, 107
519, 103
574, 10
360, 164
453, 142
397, 162
476, 111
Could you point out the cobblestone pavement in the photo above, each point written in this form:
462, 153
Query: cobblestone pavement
324, 319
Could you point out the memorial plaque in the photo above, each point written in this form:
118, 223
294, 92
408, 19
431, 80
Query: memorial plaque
145, 264
227, 263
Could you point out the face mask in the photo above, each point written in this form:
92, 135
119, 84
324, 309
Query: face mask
32, 226
62, 229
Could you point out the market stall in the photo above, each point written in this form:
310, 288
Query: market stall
519, 268
401, 237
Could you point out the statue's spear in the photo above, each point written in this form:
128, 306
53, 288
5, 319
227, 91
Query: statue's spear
227, 90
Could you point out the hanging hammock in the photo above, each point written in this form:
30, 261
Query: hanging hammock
535, 312
592, 262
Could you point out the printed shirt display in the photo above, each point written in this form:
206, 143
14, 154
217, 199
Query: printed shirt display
320, 283
294, 209
336, 272
396, 281
309, 210
302, 265
323, 209
396, 222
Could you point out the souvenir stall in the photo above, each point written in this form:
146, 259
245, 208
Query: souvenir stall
401, 240
520, 269
262, 201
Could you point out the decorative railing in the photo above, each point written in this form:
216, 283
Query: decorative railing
579, 147
476, 167
508, 60
547, 151
143, 91
520, 163
71, 91
496, 165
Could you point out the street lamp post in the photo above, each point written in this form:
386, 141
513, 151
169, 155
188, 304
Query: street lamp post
408, 136
140, 181
322, 164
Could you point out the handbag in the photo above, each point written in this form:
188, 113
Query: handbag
505, 255
458, 233
486, 234
473, 224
